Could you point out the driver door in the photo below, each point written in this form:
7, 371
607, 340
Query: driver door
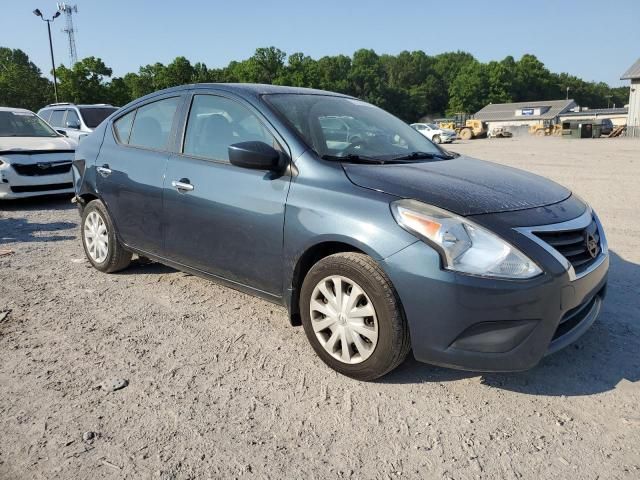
228, 221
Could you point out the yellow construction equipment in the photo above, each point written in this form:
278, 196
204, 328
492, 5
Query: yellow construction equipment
466, 128
545, 130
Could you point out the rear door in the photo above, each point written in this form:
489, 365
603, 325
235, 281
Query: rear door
230, 220
131, 167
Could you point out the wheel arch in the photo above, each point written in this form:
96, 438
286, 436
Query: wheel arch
312, 255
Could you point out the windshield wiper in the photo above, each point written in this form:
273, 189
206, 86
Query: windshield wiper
423, 155
352, 157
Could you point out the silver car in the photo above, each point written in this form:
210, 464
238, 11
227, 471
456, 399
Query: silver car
76, 121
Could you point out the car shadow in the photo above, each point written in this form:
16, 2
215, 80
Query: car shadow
606, 356
48, 202
22, 230
145, 267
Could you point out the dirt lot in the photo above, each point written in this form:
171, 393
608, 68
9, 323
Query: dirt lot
219, 386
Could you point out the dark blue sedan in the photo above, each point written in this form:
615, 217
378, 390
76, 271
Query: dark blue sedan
376, 240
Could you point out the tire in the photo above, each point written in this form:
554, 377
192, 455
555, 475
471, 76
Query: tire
466, 134
540, 133
436, 139
392, 342
102, 238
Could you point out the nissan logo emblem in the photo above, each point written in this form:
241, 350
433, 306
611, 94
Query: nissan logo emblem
592, 245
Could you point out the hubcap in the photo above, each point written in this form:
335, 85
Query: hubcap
343, 319
96, 237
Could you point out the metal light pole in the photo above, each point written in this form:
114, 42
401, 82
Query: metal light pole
38, 13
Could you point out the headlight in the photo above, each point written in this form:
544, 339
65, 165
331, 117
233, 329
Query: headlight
463, 245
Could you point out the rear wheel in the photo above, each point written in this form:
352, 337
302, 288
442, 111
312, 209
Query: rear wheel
352, 316
101, 245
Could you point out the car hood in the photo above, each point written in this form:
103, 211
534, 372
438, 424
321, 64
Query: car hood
463, 185
30, 144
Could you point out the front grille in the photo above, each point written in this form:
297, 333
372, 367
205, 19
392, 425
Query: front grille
41, 188
43, 168
575, 245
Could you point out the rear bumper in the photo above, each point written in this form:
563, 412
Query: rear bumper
13, 185
479, 324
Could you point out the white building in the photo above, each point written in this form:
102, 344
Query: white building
633, 122
618, 116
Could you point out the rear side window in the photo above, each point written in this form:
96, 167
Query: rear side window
152, 124
56, 118
45, 115
93, 116
122, 126
217, 122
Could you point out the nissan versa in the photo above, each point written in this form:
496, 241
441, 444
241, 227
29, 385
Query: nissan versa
378, 243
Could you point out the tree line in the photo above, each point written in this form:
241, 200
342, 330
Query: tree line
412, 85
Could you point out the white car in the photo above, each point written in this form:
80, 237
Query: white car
434, 133
34, 158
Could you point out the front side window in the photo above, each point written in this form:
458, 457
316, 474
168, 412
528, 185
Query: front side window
24, 124
152, 124
372, 131
216, 122
72, 118
56, 118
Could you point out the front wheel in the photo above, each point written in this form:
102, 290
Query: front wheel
352, 316
99, 240
436, 139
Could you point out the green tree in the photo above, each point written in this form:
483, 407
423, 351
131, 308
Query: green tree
469, 89
21, 82
84, 82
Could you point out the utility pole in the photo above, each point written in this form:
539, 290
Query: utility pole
68, 11
567, 93
38, 13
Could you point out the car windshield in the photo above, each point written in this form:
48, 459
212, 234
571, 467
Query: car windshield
433, 126
342, 127
24, 124
93, 116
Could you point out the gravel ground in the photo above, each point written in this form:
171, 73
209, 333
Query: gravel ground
220, 386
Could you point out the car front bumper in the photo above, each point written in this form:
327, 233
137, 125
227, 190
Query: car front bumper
481, 324
13, 185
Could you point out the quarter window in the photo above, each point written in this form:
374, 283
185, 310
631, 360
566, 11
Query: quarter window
152, 124
122, 126
216, 122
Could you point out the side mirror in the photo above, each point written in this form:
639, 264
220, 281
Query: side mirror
62, 132
73, 124
254, 155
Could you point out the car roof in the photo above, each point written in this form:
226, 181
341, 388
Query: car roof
13, 109
245, 89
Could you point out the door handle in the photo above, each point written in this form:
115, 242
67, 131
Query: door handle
183, 185
104, 170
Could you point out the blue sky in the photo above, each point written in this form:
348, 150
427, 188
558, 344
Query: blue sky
585, 38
